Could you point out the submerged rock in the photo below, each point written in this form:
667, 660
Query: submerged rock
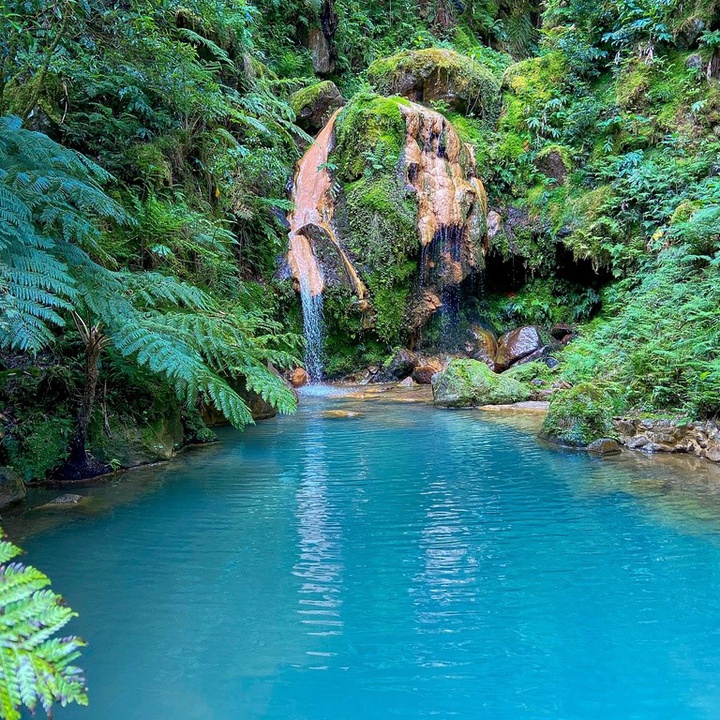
340, 414
471, 383
439, 74
12, 488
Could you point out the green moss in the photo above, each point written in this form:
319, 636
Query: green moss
43, 446
470, 383
308, 96
581, 414
471, 87
369, 136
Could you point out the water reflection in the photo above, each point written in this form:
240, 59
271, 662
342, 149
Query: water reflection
319, 562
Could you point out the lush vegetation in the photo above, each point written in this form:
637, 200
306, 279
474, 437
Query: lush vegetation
145, 152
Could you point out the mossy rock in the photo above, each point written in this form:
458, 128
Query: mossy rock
12, 488
471, 383
130, 444
580, 415
369, 136
314, 105
439, 75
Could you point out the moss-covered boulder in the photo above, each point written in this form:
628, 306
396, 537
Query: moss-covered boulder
439, 74
471, 383
314, 105
12, 488
580, 415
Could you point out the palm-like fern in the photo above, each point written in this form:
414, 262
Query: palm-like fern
52, 213
35, 667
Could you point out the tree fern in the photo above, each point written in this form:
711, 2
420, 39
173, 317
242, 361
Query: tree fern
35, 667
53, 261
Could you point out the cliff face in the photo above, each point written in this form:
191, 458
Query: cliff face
389, 207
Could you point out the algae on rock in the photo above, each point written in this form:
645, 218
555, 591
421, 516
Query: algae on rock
439, 75
471, 383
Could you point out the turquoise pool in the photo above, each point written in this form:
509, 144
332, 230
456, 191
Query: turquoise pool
403, 563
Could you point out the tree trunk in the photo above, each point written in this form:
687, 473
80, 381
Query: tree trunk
80, 464
93, 348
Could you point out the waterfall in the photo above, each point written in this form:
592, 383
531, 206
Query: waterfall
452, 209
313, 330
312, 218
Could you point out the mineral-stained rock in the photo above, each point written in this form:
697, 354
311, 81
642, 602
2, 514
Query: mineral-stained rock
604, 446
470, 383
517, 344
407, 382
12, 488
298, 377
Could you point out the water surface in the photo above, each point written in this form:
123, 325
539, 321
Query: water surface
406, 563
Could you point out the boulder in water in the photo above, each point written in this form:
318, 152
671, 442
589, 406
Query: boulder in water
471, 383
423, 374
604, 446
580, 415
298, 377
12, 488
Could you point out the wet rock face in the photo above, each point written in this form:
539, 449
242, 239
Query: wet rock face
12, 488
552, 164
312, 221
321, 40
314, 106
401, 365
484, 347
516, 345
439, 74
470, 383
452, 202
661, 435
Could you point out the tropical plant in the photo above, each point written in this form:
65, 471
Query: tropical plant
53, 264
36, 667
